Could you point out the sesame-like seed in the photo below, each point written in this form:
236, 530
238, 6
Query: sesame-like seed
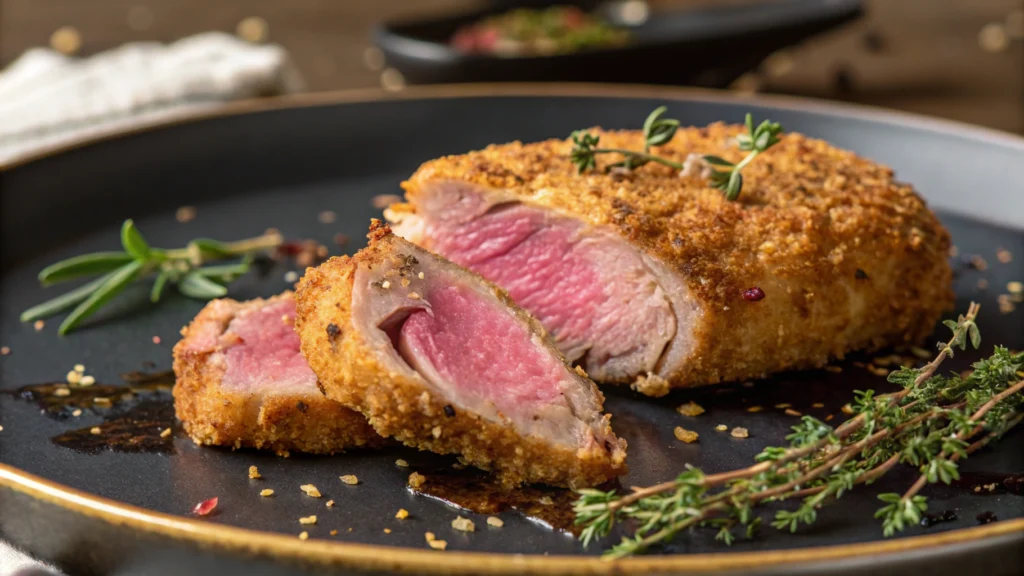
402, 514
310, 490
77, 412
982, 284
349, 479
80, 368
4, 351
266, 492
495, 521
87, 381
436, 431
405, 282
401, 463
878, 371
39, 325
791, 412
73, 377
546, 500
414, 296
463, 524
420, 276
303, 535
95, 430
308, 519
387, 530
739, 432
755, 409
101, 400
754, 294
684, 435
721, 427
254, 473
385, 284
416, 480
330, 503
691, 408
291, 276
1, 428
62, 392
165, 432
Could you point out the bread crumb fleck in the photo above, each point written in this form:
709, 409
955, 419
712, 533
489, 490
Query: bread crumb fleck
1015, 287
651, 385
291, 276
1004, 256
846, 409
495, 521
185, 214
333, 532
791, 412
401, 463
327, 217
783, 405
330, 503
721, 427
436, 544
165, 432
402, 514
684, 435
76, 412
95, 430
310, 490
463, 524
817, 405
834, 369
436, 431
73, 377
755, 409
303, 535
387, 530
416, 480
266, 492
349, 479
739, 432
62, 392
308, 519
691, 408
4, 351
39, 325
156, 339
87, 381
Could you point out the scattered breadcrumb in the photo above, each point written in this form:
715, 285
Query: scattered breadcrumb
80, 368
77, 412
102, 400
1015, 287
416, 480
62, 392
651, 385
463, 524
791, 412
291, 276
330, 503
833, 369
310, 490
920, 352
739, 432
691, 408
754, 409
402, 514
333, 532
303, 535
495, 521
546, 500
308, 519
829, 417
436, 431
349, 479
421, 276
1004, 255
254, 473
978, 263
1, 428
783, 405
4, 351
954, 251
387, 530
684, 435
95, 430
340, 239
165, 432
39, 325
401, 463
982, 284
156, 340
1006, 305
327, 217
266, 492
87, 381
435, 543
185, 214
817, 405
878, 371
721, 427
847, 409
382, 201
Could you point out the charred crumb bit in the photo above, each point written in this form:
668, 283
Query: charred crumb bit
817, 405
327, 217
739, 432
684, 435
165, 433
87, 381
449, 411
254, 473
95, 430
303, 535
333, 532
417, 480
308, 519
333, 331
39, 325
846, 409
463, 524
791, 412
5, 350
266, 492
291, 276
986, 518
401, 463
414, 296
721, 428
62, 392
691, 408
1004, 256
320, 387
402, 514
185, 214
754, 294
310, 490
301, 406
349, 479
860, 274
495, 521
982, 284
77, 412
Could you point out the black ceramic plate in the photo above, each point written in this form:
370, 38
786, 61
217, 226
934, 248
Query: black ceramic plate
708, 46
280, 165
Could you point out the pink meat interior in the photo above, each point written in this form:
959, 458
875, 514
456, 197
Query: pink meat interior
483, 352
265, 353
592, 291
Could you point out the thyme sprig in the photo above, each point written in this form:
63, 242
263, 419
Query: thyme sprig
183, 267
657, 131
932, 423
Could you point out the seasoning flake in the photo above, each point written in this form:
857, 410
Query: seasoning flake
684, 435
349, 479
402, 514
691, 408
254, 473
308, 519
266, 492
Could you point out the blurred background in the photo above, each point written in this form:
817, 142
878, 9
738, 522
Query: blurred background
958, 59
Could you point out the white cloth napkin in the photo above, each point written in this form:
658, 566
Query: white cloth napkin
14, 563
48, 99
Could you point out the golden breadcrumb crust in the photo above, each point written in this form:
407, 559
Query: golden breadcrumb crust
403, 407
277, 421
848, 257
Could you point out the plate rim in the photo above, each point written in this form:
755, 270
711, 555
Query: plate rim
371, 556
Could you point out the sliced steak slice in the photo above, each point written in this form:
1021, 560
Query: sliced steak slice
643, 277
242, 382
440, 359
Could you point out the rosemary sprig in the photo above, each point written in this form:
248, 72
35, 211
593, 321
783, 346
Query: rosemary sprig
932, 423
658, 131
183, 267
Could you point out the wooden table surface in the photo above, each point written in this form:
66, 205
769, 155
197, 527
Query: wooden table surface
917, 55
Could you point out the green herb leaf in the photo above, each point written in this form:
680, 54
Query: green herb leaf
84, 265
113, 286
717, 160
133, 241
64, 301
195, 285
158, 286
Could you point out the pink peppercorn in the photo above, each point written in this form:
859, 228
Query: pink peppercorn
753, 294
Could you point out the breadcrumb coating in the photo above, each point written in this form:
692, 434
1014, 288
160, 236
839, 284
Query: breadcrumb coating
280, 422
847, 257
